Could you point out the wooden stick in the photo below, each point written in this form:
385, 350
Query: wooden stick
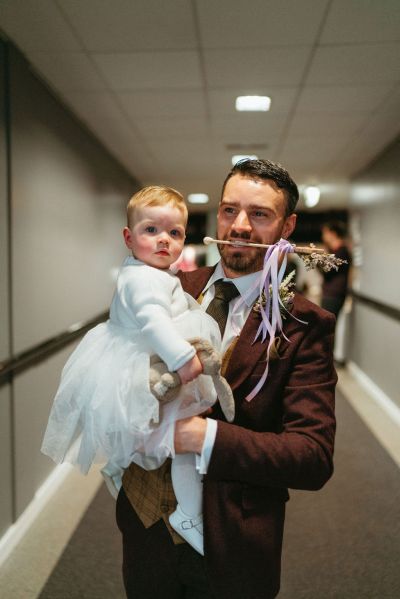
298, 250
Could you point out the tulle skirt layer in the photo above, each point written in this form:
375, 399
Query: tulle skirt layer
104, 411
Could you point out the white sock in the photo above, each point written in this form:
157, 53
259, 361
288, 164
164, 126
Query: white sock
187, 484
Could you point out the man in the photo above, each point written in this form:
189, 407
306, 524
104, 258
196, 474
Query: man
282, 438
334, 287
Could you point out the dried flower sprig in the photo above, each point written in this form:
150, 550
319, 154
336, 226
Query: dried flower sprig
285, 293
325, 262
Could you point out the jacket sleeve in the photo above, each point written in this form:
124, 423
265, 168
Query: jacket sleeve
300, 456
150, 301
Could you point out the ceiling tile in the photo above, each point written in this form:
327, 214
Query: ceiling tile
179, 155
269, 66
248, 127
303, 150
244, 24
378, 132
222, 101
96, 105
308, 159
173, 128
150, 70
28, 24
129, 25
352, 65
70, 72
352, 21
362, 98
163, 103
329, 125
125, 143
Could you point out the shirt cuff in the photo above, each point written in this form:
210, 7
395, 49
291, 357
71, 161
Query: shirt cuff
203, 460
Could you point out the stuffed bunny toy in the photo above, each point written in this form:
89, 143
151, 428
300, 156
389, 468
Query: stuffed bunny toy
165, 385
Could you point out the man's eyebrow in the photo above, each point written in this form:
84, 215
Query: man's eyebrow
250, 207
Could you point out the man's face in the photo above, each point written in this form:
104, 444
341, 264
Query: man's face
251, 210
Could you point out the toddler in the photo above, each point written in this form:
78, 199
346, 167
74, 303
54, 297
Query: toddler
104, 409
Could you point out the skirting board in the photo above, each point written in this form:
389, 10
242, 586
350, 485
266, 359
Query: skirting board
16, 532
384, 402
34, 544
375, 408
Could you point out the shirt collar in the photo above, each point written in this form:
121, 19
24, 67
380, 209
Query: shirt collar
243, 283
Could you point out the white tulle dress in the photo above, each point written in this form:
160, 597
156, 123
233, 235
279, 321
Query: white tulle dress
103, 410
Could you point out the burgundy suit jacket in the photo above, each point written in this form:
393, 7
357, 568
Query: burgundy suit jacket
283, 438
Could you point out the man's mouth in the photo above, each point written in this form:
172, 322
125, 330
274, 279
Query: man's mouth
239, 243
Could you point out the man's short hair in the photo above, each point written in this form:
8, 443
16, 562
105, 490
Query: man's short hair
265, 169
155, 195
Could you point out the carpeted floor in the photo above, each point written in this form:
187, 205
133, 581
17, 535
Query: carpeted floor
342, 542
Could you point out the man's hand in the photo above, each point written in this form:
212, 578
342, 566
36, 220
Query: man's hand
190, 434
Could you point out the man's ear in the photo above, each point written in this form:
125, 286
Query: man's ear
289, 226
127, 233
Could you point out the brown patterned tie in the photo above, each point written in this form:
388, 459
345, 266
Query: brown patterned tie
219, 305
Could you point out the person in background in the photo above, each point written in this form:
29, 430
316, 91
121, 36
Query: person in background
282, 437
335, 283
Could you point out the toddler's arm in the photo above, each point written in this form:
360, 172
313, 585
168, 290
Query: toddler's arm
190, 370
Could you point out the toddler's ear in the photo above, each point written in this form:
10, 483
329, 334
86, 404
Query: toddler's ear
127, 233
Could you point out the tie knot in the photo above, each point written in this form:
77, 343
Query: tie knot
225, 291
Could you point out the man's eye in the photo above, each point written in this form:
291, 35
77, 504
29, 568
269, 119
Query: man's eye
229, 210
150, 229
259, 213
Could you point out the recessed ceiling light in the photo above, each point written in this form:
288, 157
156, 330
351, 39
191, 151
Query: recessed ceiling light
238, 157
253, 103
312, 194
198, 198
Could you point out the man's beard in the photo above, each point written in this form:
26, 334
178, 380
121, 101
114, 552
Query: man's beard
243, 263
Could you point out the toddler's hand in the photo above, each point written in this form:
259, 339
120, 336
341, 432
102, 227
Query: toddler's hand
190, 370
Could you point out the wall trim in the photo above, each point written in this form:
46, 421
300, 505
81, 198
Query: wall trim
376, 305
375, 392
18, 530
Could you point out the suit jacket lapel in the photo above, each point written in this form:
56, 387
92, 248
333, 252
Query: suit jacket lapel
195, 281
246, 354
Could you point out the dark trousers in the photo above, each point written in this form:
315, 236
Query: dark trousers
153, 567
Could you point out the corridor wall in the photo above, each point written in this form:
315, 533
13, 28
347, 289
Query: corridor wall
6, 508
66, 197
375, 218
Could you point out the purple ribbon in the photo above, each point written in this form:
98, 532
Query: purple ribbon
268, 284
271, 318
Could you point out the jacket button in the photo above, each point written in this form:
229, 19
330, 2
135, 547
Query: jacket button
164, 508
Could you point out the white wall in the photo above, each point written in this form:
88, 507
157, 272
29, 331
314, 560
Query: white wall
375, 338
68, 198
68, 201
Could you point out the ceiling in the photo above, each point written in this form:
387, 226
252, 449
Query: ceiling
156, 81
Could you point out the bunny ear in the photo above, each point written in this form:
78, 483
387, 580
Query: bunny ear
225, 397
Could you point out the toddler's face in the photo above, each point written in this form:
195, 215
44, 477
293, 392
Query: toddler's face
157, 236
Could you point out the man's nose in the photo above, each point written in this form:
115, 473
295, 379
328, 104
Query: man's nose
241, 222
